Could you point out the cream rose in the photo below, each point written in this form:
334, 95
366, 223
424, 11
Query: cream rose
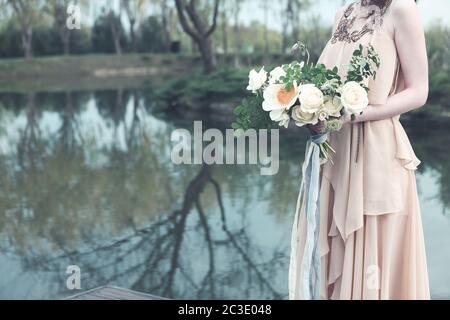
276, 74
311, 98
354, 97
277, 97
281, 117
302, 118
256, 79
332, 106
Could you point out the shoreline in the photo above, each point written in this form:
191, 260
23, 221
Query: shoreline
94, 72
84, 72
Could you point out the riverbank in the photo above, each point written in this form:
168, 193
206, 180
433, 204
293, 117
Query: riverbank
94, 65
83, 72
177, 79
98, 71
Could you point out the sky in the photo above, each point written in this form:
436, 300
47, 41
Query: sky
432, 11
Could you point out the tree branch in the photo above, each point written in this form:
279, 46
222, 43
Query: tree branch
183, 21
214, 23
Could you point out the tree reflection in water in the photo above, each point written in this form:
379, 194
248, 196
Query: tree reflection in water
86, 179
122, 211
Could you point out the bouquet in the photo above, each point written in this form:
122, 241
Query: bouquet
308, 93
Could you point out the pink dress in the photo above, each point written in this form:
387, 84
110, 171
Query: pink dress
371, 238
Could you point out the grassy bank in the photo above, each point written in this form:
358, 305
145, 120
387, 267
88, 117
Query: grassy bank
177, 79
83, 65
100, 71
78, 72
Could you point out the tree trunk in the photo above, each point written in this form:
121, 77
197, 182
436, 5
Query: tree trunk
283, 42
64, 35
66, 44
27, 37
207, 53
237, 35
133, 34
60, 15
224, 32
166, 20
115, 31
117, 46
199, 31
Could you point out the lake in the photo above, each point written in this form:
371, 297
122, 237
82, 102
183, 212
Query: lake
86, 179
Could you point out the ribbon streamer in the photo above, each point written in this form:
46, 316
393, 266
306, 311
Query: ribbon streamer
306, 285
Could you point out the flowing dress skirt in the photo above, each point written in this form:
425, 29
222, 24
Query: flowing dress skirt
370, 238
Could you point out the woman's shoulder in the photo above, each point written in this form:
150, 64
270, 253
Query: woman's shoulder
403, 8
340, 12
403, 12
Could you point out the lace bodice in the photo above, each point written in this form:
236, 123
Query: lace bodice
371, 13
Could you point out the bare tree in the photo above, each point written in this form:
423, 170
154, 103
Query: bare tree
224, 27
194, 25
27, 13
133, 8
166, 20
57, 9
115, 25
237, 31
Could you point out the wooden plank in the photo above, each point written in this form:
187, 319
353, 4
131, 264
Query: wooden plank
113, 293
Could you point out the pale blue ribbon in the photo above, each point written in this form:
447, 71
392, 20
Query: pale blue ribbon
309, 202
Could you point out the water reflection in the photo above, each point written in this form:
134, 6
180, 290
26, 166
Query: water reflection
86, 179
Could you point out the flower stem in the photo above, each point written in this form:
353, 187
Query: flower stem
326, 151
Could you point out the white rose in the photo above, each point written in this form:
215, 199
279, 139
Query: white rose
276, 74
354, 97
311, 98
256, 79
281, 117
332, 106
302, 118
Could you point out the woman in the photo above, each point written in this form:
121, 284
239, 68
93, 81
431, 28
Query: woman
371, 239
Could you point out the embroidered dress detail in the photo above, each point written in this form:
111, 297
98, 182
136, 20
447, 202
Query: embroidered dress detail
373, 13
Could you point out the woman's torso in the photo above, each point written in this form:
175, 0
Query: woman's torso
372, 158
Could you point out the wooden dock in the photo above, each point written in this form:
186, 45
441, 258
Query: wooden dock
113, 293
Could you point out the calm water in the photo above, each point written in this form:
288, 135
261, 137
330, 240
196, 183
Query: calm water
86, 179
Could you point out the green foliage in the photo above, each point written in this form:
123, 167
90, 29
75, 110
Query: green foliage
79, 42
438, 46
197, 89
102, 37
249, 115
317, 74
46, 41
362, 64
10, 43
151, 36
440, 88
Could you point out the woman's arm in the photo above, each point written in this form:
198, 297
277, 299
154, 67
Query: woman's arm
410, 43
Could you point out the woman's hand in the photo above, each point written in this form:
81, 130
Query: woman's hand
346, 118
